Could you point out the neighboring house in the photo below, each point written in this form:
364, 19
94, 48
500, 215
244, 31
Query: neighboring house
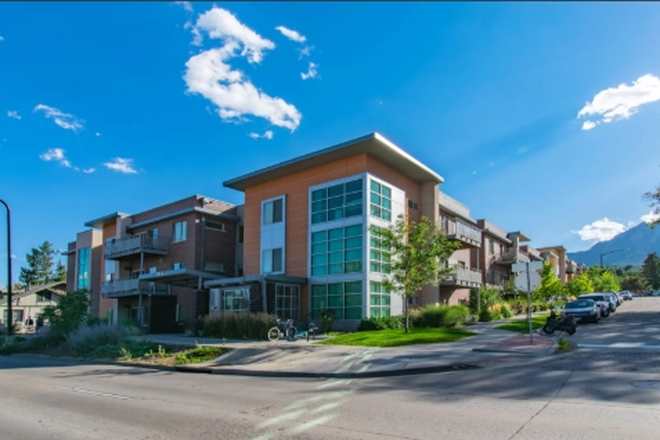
32, 302
150, 267
456, 223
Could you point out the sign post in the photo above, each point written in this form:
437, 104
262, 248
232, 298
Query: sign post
528, 280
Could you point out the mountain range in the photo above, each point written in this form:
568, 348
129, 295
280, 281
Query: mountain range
629, 247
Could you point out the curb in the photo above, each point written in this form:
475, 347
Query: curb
504, 350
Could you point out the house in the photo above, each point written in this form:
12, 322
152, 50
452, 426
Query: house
150, 267
31, 303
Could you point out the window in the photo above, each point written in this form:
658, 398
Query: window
413, 205
109, 270
337, 251
380, 201
178, 266
83, 268
43, 297
153, 269
271, 261
379, 300
287, 301
336, 202
444, 224
241, 231
413, 300
344, 298
236, 300
272, 211
215, 226
491, 245
180, 231
379, 255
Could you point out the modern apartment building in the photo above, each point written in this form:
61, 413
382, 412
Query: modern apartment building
555, 256
150, 267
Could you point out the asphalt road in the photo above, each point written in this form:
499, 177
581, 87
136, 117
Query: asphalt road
564, 397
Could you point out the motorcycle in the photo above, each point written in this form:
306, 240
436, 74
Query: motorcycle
565, 323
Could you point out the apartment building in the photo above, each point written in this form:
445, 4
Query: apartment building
150, 267
556, 257
456, 223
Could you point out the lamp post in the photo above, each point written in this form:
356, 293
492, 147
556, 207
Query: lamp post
10, 317
607, 253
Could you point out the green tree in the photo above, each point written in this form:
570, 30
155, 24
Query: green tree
604, 279
651, 270
27, 277
635, 282
579, 285
41, 265
60, 272
68, 314
418, 253
654, 198
550, 284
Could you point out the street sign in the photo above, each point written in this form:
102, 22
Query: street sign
534, 281
527, 280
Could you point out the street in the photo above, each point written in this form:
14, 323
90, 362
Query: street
605, 393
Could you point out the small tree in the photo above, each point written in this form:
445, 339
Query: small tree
651, 270
41, 266
418, 252
550, 284
68, 314
579, 285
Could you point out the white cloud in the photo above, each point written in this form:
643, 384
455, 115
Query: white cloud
209, 74
89, 170
291, 34
650, 217
311, 72
57, 155
13, 114
601, 230
267, 135
305, 52
121, 165
97, 134
621, 102
65, 120
186, 5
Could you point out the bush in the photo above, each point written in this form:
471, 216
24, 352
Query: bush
444, 316
69, 313
384, 323
87, 338
486, 296
328, 318
488, 315
125, 350
198, 354
506, 311
232, 325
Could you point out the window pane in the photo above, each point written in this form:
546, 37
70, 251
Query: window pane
319, 206
352, 211
336, 257
319, 290
319, 303
354, 287
319, 194
374, 300
355, 230
277, 211
336, 289
277, 260
374, 267
335, 214
375, 187
386, 203
319, 248
355, 185
353, 242
386, 215
319, 271
336, 301
319, 236
354, 198
374, 255
375, 198
353, 300
354, 313
385, 311
318, 217
336, 190
386, 192
319, 259
335, 269
385, 300
337, 245
334, 234
335, 202
353, 267
374, 312
268, 212
267, 262
375, 211
354, 255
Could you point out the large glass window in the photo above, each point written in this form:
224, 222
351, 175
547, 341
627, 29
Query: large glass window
236, 300
271, 261
379, 300
272, 212
287, 301
336, 202
344, 298
379, 255
180, 231
380, 198
337, 251
83, 268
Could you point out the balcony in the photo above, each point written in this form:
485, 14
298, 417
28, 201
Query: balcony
463, 277
122, 288
513, 256
126, 247
464, 233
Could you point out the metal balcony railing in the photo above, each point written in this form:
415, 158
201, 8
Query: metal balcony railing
464, 276
130, 287
158, 245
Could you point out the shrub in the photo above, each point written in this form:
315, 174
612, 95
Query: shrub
87, 338
415, 317
484, 296
198, 354
444, 316
232, 325
488, 315
125, 349
506, 311
69, 313
517, 306
384, 323
328, 318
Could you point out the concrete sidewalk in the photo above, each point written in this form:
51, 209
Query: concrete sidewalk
307, 359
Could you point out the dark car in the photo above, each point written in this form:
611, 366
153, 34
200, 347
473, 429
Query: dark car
583, 310
602, 302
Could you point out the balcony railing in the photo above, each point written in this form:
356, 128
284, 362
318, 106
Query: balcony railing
513, 256
464, 232
121, 288
464, 277
134, 245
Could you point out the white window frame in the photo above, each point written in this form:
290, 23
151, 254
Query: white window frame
264, 211
268, 268
182, 227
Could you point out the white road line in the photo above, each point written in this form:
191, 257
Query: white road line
280, 418
94, 393
312, 423
332, 383
306, 402
326, 407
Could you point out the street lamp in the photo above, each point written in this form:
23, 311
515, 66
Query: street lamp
607, 253
10, 317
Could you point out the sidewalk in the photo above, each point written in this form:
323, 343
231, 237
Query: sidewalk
307, 359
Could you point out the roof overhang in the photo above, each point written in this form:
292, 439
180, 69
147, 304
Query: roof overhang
105, 221
181, 277
160, 218
496, 235
552, 249
372, 144
522, 237
236, 281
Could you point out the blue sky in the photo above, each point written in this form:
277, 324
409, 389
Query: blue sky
541, 117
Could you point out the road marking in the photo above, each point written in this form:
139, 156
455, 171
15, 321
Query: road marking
326, 407
312, 423
621, 345
305, 402
280, 418
94, 393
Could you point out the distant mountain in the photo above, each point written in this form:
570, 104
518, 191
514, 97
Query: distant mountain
639, 242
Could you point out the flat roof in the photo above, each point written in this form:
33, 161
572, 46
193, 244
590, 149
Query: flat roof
105, 220
373, 144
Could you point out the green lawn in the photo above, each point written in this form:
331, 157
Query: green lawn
521, 325
397, 337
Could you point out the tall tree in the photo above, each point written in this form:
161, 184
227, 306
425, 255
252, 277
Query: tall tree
550, 284
635, 282
60, 272
41, 265
654, 198
651, 270
27, 277
418, 253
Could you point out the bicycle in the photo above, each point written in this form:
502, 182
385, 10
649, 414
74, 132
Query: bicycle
285, 328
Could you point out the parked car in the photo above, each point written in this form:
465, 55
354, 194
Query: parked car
617, 298
656, 293
613, 301
583, 310
626, 295
601, 300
